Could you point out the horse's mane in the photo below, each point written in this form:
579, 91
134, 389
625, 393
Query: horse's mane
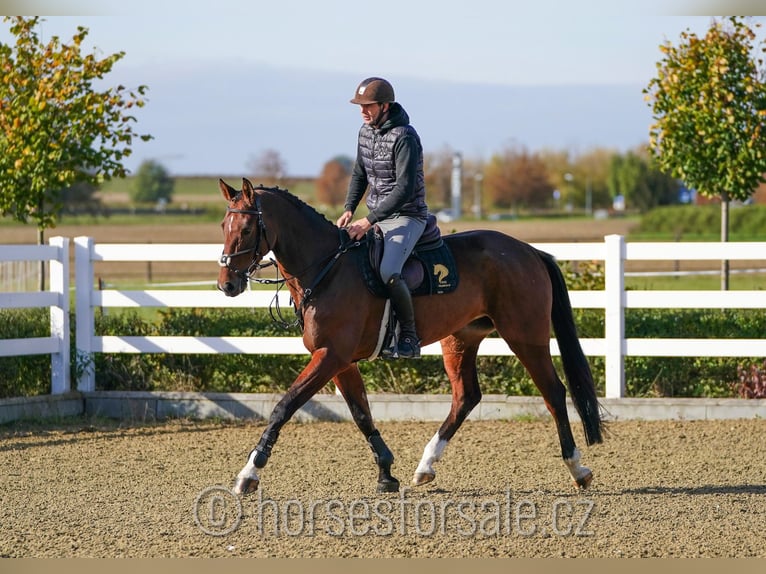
303, 207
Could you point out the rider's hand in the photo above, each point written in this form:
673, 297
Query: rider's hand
345, 219
359, 228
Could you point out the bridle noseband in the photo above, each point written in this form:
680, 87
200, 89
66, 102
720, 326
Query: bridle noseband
255, 264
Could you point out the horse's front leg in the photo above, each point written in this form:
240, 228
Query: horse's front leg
322, 367
351, 386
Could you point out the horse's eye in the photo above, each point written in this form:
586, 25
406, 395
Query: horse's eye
247, 230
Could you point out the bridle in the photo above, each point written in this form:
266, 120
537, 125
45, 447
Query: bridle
255, 261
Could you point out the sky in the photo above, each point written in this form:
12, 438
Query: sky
476, 42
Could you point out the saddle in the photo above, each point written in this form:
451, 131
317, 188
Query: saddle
429, 270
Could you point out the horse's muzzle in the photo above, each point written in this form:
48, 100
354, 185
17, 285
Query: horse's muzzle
231, 288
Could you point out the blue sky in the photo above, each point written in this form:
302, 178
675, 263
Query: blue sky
477, 41
206, 64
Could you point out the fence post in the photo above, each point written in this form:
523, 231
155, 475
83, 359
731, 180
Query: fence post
58, 272
614, 316
85, 323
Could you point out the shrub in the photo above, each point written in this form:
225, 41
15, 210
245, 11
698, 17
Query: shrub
27, 375
751, 382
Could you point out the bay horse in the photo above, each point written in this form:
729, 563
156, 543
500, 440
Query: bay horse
505, 285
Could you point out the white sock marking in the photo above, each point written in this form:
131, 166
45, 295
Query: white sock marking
573, 464
431, 454
248, 471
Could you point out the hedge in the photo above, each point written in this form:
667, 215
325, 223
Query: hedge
746, 222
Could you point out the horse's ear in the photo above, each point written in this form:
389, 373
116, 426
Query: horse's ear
227, 191
247, 190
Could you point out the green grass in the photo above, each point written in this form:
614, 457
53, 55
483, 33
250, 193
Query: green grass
689, 237
205, 186
737, 282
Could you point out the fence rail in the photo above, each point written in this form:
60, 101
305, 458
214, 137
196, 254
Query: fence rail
614, 251
57, 345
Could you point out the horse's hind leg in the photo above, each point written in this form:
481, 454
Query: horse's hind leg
351, 386
537, 360
460, 365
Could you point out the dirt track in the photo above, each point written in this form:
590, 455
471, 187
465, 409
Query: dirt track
669, 489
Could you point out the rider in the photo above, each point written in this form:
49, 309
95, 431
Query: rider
389, 160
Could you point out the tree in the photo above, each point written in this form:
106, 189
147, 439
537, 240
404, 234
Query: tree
81, 198
516, 178
709, 106
636, 177
332, 183
268, 166
56, 130
152, 182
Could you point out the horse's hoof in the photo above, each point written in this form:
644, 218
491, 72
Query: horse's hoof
391, 485
584, 481
245, 485
422, 478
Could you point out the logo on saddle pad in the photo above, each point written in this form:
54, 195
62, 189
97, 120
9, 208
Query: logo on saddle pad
441, 273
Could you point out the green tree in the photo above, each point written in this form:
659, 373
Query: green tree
81, 198
57, 130
636, 177
152, 183
709, 106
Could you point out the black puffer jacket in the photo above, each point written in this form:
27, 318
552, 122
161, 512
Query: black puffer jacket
390, 160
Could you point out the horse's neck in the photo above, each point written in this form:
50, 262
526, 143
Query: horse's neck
303, 257
303, 246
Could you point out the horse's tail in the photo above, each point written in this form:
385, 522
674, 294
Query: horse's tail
576, 367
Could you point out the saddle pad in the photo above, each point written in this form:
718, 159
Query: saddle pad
439, 271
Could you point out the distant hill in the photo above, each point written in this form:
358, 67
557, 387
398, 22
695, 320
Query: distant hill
212, 120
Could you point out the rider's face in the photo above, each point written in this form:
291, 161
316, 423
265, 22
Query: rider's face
371, 112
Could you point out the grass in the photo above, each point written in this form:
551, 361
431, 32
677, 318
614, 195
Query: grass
199, 189
737, 282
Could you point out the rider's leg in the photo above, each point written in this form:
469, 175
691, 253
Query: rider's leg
408, 346
400, 236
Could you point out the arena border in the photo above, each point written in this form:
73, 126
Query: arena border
145, 406
41, 407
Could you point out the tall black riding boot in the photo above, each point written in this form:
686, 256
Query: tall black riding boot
408, 346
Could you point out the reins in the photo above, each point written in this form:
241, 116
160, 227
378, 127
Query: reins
307, 292
342, 248
255, 265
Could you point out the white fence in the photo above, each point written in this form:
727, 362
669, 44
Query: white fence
56, 299
614, 299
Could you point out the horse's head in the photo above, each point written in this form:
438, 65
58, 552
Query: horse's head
244, 237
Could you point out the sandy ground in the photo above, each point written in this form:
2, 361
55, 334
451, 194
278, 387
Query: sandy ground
661, 489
